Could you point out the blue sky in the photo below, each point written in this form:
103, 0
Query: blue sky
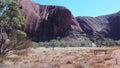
86, 7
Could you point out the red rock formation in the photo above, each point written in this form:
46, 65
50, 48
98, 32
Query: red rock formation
46, 22
114, 25
104, 26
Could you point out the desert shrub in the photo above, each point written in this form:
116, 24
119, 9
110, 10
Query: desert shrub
118, 42
40, 44
21, 34
86, 42
99, 43
106, 42
74, 34
62, 43
109, 42
78, 43
52, 43
35, 44
57, 43
73, 43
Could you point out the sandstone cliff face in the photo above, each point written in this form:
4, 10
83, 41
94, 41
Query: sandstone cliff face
114, 25
106, 26
46, 22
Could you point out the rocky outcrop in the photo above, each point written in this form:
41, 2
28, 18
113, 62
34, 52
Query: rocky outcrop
105, 26
47, 22
114, 25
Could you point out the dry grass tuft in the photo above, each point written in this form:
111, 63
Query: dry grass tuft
57, 58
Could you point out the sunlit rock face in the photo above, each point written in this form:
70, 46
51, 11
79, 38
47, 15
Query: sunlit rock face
106, 26
92, 24
47, 22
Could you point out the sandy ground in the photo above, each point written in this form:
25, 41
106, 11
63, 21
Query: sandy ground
72, 57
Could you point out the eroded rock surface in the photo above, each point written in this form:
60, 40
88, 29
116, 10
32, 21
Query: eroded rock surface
106, 26
46, 22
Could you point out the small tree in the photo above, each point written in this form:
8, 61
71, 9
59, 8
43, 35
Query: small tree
11, 20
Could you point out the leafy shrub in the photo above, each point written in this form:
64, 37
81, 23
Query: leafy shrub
78, 43
106, 42
74, 34
118, 42
21, 34
62, 43
99, 43
52, 43
73, 43
109, 42
86, 42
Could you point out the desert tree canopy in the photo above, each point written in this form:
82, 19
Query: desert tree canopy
10, 15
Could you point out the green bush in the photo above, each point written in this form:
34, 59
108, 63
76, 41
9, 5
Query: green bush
21, 33
52, 43
118, 42
62, 43
78, 43
86, 42
109, 42
99, 43
106, 42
